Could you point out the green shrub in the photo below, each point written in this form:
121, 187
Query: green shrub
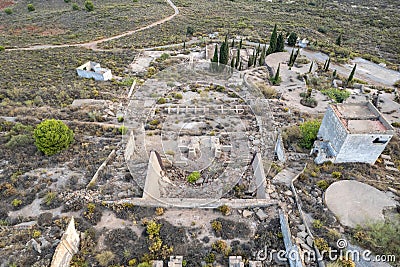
321, 244
89, 5
161, 100
16, 202
338, 95
317, 224
178, 96
323, 184
224, 209
193, 177
75, 6
144, 264
336, 175
216, 225
31, 8
8, 11
2, 48
396, 124
49, 198
309, 131
21, 140
67, 1
164, 56
52, 136
153, 229
123, 130
120, 119
105, 258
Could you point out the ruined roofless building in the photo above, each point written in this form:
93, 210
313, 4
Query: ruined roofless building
93, 70
353, 132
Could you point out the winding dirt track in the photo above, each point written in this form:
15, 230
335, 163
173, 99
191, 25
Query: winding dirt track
93, 44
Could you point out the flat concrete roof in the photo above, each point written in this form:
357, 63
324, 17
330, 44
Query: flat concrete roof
361, 118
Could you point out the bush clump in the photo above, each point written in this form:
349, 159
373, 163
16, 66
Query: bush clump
31, 8
8, 11
52, 136
89, 6
309, 131
193, 177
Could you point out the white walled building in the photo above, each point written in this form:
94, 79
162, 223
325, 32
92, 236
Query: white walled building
94, 70
353, 132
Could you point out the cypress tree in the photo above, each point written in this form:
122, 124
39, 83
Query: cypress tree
250, 62
240, 44
254, 58
291, 58
292, 39
352, 74
237, 58
215, 57
312, 64
275, 80
261, 62
233, 43
280, 46
334, 74
339, 40
273, 41
224, 52
233, 63
327, 64
240, 66
184, 45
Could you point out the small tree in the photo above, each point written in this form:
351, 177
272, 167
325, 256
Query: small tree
351, 76
52, 136
237, 59
327, 64
292, 39
189, 31
31, 7
273, 41
215, 57
339, 40
75, 6
280, 46
89, 5
311, 66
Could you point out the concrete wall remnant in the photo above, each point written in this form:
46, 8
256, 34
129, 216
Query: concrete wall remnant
68, 246
280, 149
236, 261
353, 132
93, 70
175, 261
130, 147
153, 177
259, 174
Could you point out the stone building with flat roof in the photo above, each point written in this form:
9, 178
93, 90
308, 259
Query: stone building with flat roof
353, 132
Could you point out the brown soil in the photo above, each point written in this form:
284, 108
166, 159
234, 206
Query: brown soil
4, 4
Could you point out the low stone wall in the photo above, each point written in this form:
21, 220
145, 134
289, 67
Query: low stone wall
68, 246
259, 175
154, 174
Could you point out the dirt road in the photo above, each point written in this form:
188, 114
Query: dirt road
93, 44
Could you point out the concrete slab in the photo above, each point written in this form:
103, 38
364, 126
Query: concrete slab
284, 177
355, 203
